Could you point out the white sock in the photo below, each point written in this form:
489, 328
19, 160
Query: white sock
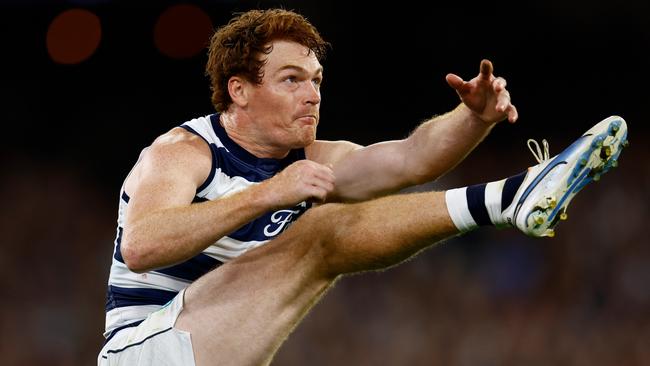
458, 211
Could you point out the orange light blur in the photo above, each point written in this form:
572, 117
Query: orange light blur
73, 36
182, 31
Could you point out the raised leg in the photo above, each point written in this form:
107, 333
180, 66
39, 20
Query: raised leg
240, 313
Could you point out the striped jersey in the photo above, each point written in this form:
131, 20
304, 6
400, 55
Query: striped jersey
133, 296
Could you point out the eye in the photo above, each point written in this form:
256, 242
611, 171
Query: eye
317, 82
291, 79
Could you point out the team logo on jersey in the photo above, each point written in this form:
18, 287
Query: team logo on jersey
281, 219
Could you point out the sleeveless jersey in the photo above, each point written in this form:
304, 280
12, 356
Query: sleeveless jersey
133, 296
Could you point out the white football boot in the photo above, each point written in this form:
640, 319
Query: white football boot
542, 199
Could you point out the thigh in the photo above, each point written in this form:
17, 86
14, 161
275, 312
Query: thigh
153, 342
241, 312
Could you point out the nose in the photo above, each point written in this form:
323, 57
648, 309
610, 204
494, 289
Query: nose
312, 94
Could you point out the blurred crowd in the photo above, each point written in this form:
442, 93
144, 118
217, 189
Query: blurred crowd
491, 297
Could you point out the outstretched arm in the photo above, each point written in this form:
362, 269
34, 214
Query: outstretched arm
434, 148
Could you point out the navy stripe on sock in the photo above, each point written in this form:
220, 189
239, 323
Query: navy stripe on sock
510, 189
476, 204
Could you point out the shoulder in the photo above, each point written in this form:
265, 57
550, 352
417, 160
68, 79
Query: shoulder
178, 147
329, 152
177, 152
179, 143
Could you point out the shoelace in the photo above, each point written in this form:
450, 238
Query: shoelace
537, 153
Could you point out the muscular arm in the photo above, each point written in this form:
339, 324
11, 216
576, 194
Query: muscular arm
162, 225
434, 148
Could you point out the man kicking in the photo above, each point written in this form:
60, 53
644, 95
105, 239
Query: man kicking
211, 265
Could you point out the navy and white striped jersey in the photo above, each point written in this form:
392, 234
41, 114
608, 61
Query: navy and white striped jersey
132, 296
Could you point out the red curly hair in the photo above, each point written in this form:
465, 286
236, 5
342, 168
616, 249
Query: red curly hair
235, 47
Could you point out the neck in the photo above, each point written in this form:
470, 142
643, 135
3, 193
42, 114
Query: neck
243, 132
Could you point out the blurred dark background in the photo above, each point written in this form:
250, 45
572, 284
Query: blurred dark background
85, 85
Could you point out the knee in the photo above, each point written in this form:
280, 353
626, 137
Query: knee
323, 231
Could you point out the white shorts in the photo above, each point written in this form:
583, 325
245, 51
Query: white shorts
153, 342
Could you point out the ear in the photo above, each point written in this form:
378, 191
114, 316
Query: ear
237, 88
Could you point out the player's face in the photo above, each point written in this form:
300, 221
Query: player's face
286, 105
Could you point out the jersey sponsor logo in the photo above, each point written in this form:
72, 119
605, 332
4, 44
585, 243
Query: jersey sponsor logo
280, 220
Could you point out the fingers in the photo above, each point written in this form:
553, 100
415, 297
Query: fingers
503, 101
457, 83
327, 177
486, 95
315, 168
513, 115
499, 84
306, 179
502, 94
486, 69
319, 193
320, 184
504, 104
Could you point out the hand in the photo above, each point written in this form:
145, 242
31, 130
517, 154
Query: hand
485, 95
300, 181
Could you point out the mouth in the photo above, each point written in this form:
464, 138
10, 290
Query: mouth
308, 119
